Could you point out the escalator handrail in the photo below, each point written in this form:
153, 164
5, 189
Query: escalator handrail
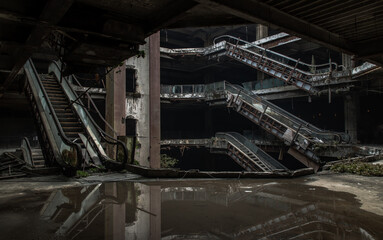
266, 159
275, 53
100, 131
29, 149
94, 105
299, 122
62, 135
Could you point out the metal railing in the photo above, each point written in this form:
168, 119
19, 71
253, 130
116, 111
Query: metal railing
238, 140
55, 130
286, 118
97, 135
303, 67
277, 113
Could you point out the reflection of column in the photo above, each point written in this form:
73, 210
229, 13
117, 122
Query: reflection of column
148, 221
155, 209
114, 214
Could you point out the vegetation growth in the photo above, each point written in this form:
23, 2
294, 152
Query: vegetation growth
364, 169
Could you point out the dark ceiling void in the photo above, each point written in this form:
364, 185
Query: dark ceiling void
104, 32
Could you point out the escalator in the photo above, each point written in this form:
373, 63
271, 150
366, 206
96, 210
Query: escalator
291, 71
302, 137
247, 154
68, 135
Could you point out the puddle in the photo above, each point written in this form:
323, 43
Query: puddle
221, 209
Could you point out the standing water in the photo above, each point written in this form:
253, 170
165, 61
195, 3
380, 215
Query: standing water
220, 209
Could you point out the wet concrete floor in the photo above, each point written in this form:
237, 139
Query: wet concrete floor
186, 209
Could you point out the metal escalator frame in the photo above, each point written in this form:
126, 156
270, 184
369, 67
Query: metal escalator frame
266, 159
272, 67
98, 134
31, 72
299, 123
249, 45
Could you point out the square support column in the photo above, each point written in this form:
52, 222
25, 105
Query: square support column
351, 115
154, 102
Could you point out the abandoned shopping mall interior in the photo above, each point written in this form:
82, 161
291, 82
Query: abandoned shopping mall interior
195, 119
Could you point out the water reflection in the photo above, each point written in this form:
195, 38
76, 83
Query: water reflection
199, 210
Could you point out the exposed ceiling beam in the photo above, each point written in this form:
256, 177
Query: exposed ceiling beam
259, 12
52, 13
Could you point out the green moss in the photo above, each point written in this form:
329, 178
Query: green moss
364, 169
167, 161
81, 174
70, 157
135, 162
138, 144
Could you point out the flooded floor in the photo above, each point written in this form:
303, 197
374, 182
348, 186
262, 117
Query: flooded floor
188, 209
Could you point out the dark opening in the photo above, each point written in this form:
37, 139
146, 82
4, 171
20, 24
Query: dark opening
130, 80
131, 127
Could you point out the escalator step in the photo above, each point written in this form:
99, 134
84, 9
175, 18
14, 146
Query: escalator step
72, 129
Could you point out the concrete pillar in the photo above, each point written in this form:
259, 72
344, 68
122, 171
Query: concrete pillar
145, 105
155, 102
137, 105
262, 32
351, 115
115, 104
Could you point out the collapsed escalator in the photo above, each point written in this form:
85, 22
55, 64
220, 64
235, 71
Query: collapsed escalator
302, 137
247, 154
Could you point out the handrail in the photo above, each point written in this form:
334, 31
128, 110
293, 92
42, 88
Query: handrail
29, 149
94, 105
297, 121
101, 131
54, 116
275, 53
103, 135
266, 159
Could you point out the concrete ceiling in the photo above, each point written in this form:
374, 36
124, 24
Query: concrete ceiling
103, 32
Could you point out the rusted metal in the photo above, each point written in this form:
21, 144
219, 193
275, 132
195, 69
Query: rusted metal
272, 67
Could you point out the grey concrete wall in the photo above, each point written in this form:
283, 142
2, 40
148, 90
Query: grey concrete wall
138, 107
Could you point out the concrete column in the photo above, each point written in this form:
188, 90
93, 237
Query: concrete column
115, 104
145, 105
351, 115
262, 32
155, 103
138, 107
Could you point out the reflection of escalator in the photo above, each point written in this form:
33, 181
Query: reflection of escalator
79, 211
68, 134
247, 154
301, 136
